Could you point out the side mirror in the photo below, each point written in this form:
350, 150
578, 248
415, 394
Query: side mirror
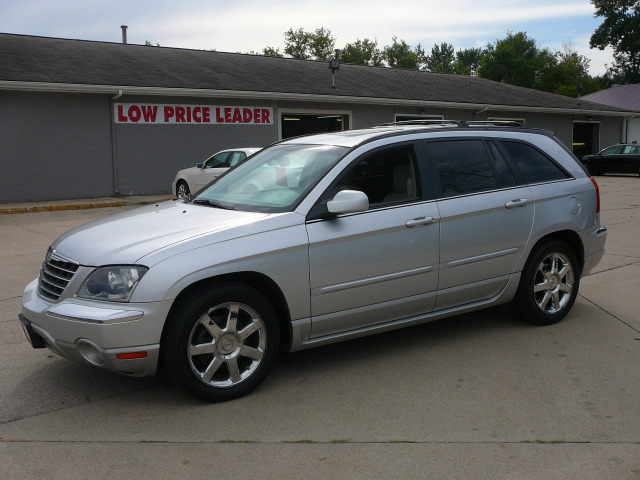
348, 201
200, 165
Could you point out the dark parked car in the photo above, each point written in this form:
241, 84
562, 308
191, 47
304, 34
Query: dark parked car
622, 158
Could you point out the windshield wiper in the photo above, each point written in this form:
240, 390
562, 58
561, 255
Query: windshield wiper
211, 203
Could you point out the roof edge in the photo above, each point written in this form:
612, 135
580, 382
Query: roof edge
208, 93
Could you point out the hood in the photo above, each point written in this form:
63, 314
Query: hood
127, 237
188, 171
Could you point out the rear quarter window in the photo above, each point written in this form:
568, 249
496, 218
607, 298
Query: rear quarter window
533, 165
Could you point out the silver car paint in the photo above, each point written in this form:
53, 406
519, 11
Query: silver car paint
333, 291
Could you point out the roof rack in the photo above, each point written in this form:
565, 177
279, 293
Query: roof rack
459, 123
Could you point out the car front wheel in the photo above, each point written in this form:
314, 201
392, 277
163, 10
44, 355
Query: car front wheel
182, 189
549, 284
222, 342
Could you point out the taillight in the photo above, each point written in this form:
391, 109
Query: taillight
595, 184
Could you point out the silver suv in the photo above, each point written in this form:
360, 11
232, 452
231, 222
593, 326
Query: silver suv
320, 239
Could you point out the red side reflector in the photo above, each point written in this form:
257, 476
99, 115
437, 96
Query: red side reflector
131, 355
595, 184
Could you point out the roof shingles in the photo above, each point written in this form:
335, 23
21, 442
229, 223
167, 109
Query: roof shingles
28, 59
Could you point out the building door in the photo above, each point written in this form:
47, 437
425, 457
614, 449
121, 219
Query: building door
586, 138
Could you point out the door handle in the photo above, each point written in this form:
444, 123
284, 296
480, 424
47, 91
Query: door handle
519, 202
420, 221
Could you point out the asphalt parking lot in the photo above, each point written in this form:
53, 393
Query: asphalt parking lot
478, 396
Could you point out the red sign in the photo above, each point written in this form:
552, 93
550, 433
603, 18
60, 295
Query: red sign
144, 113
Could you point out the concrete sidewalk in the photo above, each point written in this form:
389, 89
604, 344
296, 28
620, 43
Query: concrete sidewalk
81, 203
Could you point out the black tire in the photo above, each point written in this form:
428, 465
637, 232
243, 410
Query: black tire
237, 332
593, 171
182, 189
549, 284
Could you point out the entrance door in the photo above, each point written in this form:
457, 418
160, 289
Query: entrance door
586, 138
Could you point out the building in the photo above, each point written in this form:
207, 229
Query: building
622, 96
83, 118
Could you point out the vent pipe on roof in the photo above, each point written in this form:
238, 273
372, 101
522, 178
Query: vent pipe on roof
124, 33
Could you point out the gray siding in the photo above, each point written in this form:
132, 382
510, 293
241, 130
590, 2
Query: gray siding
54, 146
610, 131
365, 116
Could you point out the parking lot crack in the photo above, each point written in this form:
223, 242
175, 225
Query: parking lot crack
250, 443
611, 314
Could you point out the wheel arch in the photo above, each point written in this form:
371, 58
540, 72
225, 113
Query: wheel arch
569, 237
258, 281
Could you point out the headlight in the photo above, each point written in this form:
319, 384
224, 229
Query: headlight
112, 283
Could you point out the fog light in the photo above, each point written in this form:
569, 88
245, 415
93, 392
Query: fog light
90, 353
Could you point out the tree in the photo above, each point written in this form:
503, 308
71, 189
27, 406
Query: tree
516, 60
441, 56
467, 61
400, 55
620, 30
271, 52
570, 71
322, 44
318, 45
362, 52
297, 43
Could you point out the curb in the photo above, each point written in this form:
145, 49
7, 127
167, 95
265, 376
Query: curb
53, 208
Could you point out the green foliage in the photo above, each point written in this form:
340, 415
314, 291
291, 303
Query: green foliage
568, 72
271, 52
467, 61
322, 44
318, 45
297, 44
620, 30
516, 60
441, 55
362, 52
400, 55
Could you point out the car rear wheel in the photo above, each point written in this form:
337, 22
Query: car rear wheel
222, 342
549, 284
182, 189
594, 171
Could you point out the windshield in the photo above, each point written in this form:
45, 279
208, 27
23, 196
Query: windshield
273, 180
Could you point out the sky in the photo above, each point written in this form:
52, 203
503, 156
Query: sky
251, 25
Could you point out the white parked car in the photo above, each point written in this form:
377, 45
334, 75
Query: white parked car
194, 178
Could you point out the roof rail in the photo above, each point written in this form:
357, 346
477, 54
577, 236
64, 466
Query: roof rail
422, 122
459, 123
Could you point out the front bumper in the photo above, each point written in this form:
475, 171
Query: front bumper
124, 338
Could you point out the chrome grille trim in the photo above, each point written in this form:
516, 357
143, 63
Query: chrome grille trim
55, 274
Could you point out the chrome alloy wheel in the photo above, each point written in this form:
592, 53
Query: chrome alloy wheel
227, 344
183, 190
553, 283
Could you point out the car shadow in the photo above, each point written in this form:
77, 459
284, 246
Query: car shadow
60, 384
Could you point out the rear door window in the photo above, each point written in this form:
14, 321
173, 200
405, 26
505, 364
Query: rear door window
466, 166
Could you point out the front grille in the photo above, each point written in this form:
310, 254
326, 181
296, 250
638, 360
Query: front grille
55, 275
